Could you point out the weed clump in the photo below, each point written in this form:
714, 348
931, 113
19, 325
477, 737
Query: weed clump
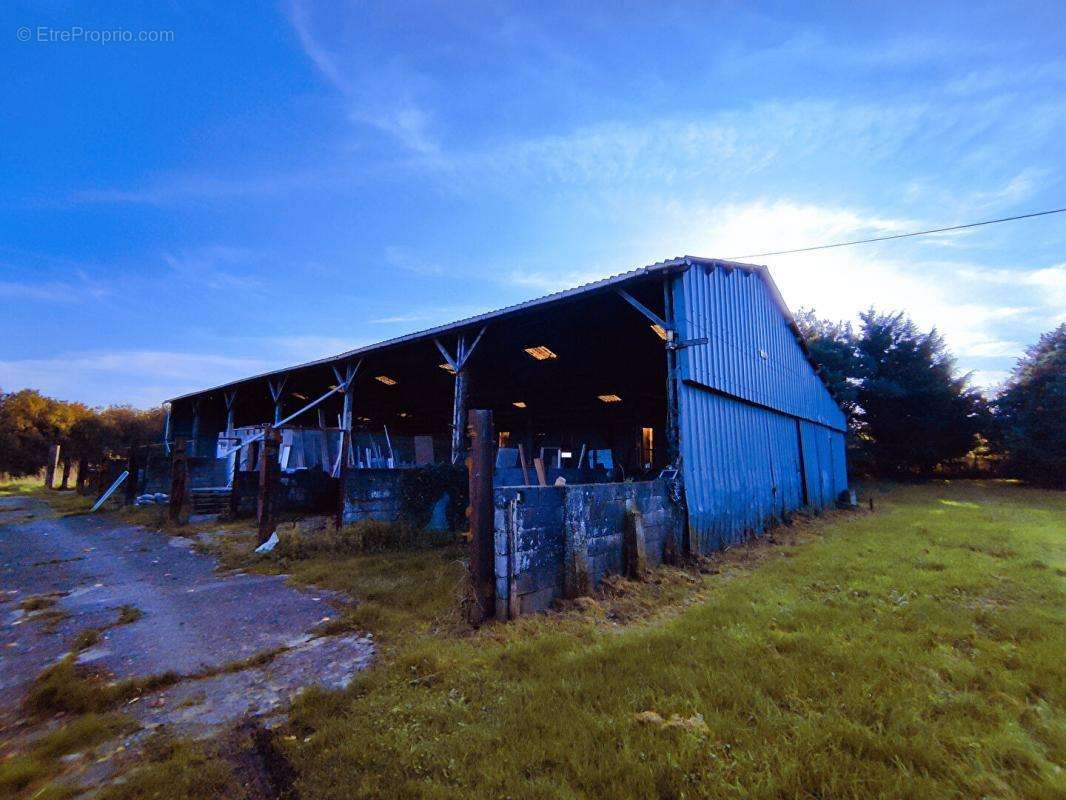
128, 614
365, 536
62, 687
86, 639
37, 602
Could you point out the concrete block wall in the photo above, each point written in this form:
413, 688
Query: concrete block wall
538, 530
205, 473
432, 498
373, 494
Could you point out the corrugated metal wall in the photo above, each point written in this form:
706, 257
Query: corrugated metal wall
760, 434
752, 352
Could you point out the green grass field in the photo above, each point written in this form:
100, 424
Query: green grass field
915, 652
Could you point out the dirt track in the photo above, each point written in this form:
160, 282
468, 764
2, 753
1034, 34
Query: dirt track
194, 619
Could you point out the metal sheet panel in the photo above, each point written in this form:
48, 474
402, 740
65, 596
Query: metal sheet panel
741, 466
744, 466
751, 351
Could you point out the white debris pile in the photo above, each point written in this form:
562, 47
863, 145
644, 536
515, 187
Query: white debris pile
157, 499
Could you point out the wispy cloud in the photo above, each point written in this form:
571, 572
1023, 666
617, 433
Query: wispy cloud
50, 291
407, 259
379, 91
217, 266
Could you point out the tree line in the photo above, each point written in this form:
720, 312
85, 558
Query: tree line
910, 412
30, 423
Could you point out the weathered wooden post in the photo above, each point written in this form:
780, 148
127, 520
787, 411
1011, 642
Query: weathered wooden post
268, 479
51, 467
634, 552
482, 538
83, 475
131, 482
179, 474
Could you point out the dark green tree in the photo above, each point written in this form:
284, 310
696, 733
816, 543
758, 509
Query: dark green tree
834, 349
914, 411
1031, 412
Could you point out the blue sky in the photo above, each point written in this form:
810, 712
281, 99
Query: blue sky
281, 182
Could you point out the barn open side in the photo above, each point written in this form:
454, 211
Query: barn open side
689, 375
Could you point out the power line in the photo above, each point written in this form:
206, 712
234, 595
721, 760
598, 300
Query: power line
900, 235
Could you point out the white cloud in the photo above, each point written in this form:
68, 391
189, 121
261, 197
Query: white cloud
989, 380
958, 299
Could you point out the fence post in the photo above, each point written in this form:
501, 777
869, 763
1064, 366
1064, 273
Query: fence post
268, 479
51, 466
482, 538
179, 473
131, 482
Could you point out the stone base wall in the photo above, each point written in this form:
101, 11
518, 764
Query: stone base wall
540, 532
432, 498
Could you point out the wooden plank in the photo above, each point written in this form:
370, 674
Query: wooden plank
643, 309
538, 465
525, 466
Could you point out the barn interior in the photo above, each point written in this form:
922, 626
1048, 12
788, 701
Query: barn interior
579, 381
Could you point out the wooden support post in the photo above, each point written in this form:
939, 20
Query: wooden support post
268, 482
458, 364
342, 480
179, 475
459, 405
230, 398
345, 380
235, 487
673, 438
482, 518
51, 466
168, 408
193, 447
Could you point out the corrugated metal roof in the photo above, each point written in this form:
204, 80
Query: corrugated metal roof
613, 281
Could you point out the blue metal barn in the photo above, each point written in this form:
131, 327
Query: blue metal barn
692, 364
